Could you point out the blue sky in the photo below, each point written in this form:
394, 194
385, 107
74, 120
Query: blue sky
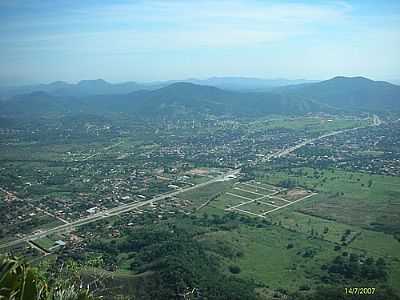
44, 41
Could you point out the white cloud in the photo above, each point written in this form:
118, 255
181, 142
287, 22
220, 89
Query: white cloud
185, 23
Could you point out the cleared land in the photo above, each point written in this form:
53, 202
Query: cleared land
255, 199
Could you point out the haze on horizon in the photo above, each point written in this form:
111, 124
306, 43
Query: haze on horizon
162, 40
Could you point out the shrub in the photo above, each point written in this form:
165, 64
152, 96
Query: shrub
234, 269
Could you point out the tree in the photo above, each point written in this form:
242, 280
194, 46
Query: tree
287, 183
370, 183
353, 257
234, 269
380, 262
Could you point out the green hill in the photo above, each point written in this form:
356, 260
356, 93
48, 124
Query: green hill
183, 99
349, 93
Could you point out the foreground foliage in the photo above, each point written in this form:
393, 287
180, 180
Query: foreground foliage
19, 280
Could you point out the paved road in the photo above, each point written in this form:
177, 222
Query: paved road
308, 141
98, 153
113, 212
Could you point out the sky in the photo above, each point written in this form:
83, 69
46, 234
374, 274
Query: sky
45, 41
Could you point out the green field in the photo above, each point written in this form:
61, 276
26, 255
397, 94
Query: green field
45, 242
225, 201
256, 188
244, 194
267, 259
256, 207
203, 194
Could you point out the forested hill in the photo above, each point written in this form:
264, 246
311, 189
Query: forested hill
174, 100
349, 93
177, 99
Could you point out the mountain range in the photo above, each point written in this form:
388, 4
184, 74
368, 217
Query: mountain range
339, 94
82, 88
102, 87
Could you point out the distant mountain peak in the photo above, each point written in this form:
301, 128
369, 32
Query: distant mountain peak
93, 81
58, 82
351, 78
187, 85
181, 84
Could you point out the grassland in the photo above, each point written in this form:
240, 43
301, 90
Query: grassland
267, 259
201, 195
45, 242
365, 205
349, 197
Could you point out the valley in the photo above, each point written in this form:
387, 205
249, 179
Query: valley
199, 150
80, 187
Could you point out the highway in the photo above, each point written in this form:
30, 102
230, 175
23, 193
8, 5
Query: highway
308, 141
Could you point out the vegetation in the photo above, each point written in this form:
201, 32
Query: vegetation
19, 280
180, 258
352, 266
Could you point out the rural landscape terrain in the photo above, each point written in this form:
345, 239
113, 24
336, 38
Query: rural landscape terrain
206, 193
200, 150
